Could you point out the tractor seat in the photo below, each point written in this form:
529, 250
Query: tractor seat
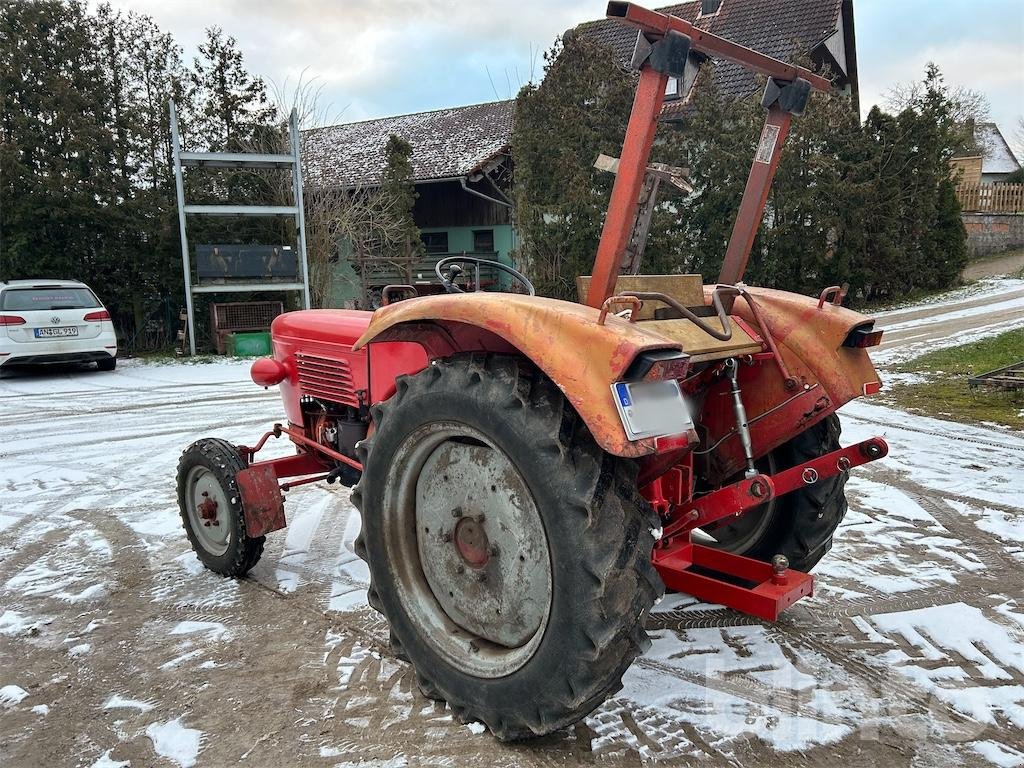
688, 290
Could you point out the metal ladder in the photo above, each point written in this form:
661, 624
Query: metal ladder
290, 162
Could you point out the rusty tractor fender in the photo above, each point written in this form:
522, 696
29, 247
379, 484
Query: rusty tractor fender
566, 341
823, 374
812, 332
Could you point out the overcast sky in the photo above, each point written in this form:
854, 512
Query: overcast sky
384, 57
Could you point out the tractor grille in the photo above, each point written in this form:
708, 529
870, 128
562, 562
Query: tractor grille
326, 379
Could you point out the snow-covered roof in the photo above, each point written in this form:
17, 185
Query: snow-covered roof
779, 28
446, 143
998, 157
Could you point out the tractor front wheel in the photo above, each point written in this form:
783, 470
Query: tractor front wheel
510, 555
211, 507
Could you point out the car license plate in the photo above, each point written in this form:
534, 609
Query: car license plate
48, 333
651, 408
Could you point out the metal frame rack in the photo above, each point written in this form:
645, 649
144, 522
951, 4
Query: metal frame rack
290, 162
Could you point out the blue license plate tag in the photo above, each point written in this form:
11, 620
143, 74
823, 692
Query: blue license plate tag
56, 333
651, 408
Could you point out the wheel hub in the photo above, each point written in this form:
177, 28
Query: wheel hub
204, 500
208, 510
472, 543
481, 544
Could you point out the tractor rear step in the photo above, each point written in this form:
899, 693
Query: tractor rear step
760, 589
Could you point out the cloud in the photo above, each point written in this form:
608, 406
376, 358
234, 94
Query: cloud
377, 57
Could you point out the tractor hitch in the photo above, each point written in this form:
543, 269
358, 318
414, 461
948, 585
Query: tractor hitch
751, 586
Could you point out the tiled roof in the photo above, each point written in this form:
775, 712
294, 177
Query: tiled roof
778, 28
997, 155
446, 143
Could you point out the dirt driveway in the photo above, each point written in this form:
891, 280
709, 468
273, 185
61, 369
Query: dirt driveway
116, 648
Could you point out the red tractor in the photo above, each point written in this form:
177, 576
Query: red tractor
533, 473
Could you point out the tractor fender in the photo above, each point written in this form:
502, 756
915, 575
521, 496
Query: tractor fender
564, 340
826, 374
811, 334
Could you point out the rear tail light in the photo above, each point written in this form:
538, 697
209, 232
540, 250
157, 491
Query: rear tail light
93, 317
11, 320
863, 337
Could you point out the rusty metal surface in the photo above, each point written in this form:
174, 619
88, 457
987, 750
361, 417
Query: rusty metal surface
1010, 377
629, 181
561, 338
655, 24
262, 502
482, 543
755, 195
828, 375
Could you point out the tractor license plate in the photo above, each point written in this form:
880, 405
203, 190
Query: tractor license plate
46, 333
651, 408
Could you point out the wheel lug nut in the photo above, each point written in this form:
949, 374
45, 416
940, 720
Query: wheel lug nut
482, 577
445, 536
457, 512
460, 569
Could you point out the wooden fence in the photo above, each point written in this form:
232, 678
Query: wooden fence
991, 198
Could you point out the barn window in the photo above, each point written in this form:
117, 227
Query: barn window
435, 242
483, 241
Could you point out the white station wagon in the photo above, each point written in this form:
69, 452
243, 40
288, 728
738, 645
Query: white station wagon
54, 321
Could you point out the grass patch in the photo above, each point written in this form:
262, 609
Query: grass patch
971, 359
945, 392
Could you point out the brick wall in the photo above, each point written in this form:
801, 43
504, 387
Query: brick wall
989, 233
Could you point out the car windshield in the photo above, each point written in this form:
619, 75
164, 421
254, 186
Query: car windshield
56, 297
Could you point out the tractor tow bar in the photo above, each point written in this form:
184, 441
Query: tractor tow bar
752, 586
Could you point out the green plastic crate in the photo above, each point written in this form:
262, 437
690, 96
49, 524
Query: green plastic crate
248, 344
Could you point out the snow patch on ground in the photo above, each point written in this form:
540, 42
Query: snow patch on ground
176, 742
12, 695
213, 630
120, 702
787, 710
351, 574
999, 754
987, 465
981, 684
106, 761
986, 288
82, 649
13, 623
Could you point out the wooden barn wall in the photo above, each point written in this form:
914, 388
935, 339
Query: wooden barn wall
447, 204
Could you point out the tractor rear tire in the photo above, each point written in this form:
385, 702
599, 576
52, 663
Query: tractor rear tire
801, 524
562, 555
206, 473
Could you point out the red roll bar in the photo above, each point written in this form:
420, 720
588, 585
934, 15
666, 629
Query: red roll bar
643, 121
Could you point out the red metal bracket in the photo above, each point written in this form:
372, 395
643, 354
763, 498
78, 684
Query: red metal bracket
262, 503
733, 499
764, 590
829, 465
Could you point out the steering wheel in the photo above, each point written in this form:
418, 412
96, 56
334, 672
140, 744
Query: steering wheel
448, 271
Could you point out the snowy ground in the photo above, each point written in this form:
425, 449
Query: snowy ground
116, 648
